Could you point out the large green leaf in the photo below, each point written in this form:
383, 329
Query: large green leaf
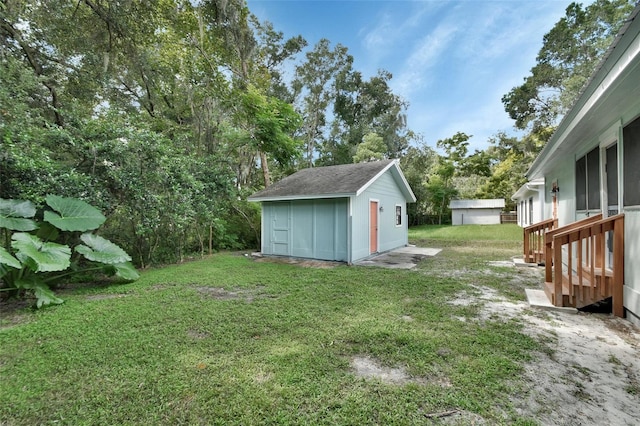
7, 259
41, 256
15, 215
44, 295
126, 271
101, 250
72, 214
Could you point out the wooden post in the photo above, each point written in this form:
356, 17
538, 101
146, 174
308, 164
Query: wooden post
548, 257
557, 272
526, 245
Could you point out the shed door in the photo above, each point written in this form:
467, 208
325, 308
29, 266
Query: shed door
373, 227
280, 229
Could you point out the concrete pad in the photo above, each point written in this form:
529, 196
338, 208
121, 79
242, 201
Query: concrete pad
538, 299
423, 251
519, 261
400, 258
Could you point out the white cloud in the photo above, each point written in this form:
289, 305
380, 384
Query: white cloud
427, 53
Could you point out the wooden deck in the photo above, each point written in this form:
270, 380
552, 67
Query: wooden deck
577, 270
534, 240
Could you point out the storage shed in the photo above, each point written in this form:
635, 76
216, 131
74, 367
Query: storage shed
476, 212
344, 213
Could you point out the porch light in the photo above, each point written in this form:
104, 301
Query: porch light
555, 189
381, 209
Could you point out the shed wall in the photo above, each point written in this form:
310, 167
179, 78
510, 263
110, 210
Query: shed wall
475, 216
386, 192
315, 229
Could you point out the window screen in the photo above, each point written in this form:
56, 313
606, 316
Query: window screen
593, 179
612, 175
581, 184
398, 215
631, 161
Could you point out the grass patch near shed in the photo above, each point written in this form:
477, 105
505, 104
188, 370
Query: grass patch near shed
228, 340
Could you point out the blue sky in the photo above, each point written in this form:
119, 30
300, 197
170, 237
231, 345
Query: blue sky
451, 60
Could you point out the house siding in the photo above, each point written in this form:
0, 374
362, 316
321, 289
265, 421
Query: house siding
564, 172
631, 266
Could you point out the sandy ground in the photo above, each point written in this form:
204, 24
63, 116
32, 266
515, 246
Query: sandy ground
591, 374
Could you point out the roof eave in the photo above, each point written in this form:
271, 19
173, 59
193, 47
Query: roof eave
299, 197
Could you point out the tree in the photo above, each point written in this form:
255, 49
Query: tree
570, 52
418, 165
372, 148
363, 107
315, 84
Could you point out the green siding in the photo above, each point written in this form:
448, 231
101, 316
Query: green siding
386, 191
315, 229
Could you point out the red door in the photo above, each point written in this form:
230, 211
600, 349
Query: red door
373, 227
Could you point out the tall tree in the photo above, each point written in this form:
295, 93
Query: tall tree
315, 84
570, 52
361, 107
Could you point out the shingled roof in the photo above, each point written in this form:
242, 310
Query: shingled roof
332, 182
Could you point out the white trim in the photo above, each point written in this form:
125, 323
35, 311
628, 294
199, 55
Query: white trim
610, 136
299, 197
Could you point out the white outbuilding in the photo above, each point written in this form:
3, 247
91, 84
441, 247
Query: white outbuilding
476, 212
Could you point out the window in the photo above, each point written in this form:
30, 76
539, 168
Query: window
588, 181
531, 211
398, 215
631, 141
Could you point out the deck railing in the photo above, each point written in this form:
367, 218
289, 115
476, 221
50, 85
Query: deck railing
548, 240
534, 238
587, 277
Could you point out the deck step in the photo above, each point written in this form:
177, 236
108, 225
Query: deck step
579, 295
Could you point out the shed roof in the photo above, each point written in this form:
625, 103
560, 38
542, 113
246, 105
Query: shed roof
497, 203
332, 182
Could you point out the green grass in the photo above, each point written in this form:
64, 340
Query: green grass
509, 232
276, 348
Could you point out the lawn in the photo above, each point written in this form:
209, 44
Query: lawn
230, 340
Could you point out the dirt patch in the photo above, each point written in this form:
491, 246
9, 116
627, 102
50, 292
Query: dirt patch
305, 263
198, 335
589, 374
15, 312
248, 295
369, 368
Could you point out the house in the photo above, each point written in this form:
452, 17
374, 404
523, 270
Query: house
344, 213
476, 212
591, 173
529, 199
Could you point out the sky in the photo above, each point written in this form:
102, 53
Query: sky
452, 61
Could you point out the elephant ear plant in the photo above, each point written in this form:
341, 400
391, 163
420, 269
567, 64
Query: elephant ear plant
30, 259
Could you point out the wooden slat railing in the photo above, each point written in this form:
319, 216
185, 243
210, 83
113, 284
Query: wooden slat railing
587, 278
534, 238
548, 240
